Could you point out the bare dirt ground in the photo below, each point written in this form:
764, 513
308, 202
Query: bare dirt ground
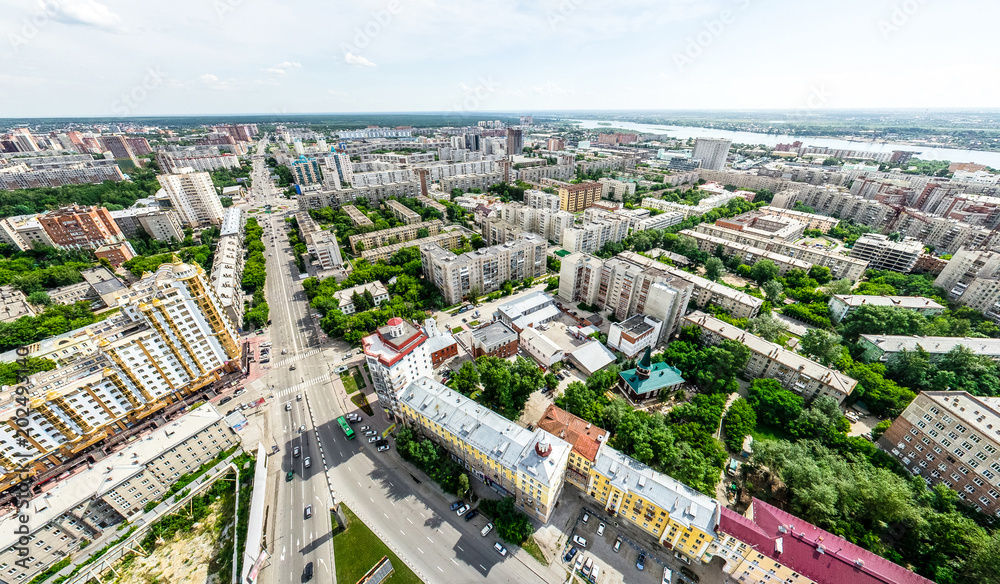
183, 560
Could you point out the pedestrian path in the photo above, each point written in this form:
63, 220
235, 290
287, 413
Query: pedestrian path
300, 386
293, 358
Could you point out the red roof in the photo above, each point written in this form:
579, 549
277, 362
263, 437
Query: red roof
585, 437
811, 551
395, 321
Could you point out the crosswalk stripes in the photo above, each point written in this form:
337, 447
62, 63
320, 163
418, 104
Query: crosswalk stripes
300, 386
294, 358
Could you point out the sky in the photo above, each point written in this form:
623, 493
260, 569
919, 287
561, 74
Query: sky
188, 57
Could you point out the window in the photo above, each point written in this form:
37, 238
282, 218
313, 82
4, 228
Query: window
961, 429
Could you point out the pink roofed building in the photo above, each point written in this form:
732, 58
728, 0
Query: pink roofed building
396, 355
771, 545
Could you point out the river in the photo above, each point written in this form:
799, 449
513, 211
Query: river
991, 159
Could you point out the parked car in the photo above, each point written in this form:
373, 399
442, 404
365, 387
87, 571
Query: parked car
292, 368
225, 400
309, 511
302, 428
296, 451
370, 432
457, 504
588, 566
641, 562
487, 529
687, 573
382, 447
341, 369
239, 391
372, 439
618, 544
288, 407
579, 541
667, 575
364, 428
471, 514
586, 516
500, 549
307, 462
298, 397
462, 510
570, 554
600, 529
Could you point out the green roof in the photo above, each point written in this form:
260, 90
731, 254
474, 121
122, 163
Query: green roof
661, 375
561, 253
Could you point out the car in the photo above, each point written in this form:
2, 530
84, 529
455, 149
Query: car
225, 400
570, 554
465, 320
296, 451
307, 462
353, 418
640, 564
382, 447
346, 356
341, 369
462, 510
588, 566
618, 544
370, 433
487, 529
302, 428
579, 563
472, 514
298, 397
457, 504
500, 549
289, 476
373, 439
600, 529
363, 428
579, 541
667, 575
292, 368
288, 407
284, 351
307, 573
239, 391
586, 516
309, 511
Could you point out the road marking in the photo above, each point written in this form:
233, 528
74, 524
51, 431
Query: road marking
483, 567
459, 548
408, 519
420, 550
401, 531
386, 516
370, 499
454, 562
422, 514
429, 539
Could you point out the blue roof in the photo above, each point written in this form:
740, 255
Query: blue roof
660, 375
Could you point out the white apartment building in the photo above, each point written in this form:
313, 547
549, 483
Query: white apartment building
397, 356
484, 270
529, 465
602, 228
319, 242
712, 152
88, 504
843, 304
616, 190
227, 276
541, 200
795, 372
634, 335
972, 278
193, 197
883, 254
661, 221
748, 254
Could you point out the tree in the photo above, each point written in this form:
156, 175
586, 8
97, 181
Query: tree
822, 345
821, 274
773, 403
714, 268
740, 420
466, 381
551, 382
463, 485
842, 286
767, 327
773, 290
474, 293
763, 271
39, 298
883, 320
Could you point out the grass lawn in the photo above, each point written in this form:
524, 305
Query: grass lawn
350, 386
474, 323
531, 546
359, 380
456, 330
357, 550
766, 432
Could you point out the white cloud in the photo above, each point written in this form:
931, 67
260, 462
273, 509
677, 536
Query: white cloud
85, 12
337, 93
281, 69
208, 78
275, 71
353, 59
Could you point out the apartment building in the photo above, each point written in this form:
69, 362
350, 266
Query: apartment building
159, 224
771, 545
119, 148
319, 242
447, 240
172, 339
972, 278
661, 221
812, 220
712, 152
68, 170
616, 190
705, 205
575, 197
193, 196
951, 437
93, 501
841, 266
227, 276
529, 465
24, 231
765, 226
748, 254
634, 334
358, 219
795, 372
396, 355
883, 254
541, 200
484, 270
345, 297
441, 346
842, 305
402, 233
679, 517
598, 230
78, 227
584, 438
198, 158
496, 339
885, 347
402, 212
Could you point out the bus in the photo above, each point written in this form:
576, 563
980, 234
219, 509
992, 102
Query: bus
346, 428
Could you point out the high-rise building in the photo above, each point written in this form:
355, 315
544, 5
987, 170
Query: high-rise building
555, 144
339, 171
138, 145
883, 254
712, 152
78, 227
119, 148
575, 197
485, 270
515, 141
24, 141
307, 172
193, 196
972, 278
396, 356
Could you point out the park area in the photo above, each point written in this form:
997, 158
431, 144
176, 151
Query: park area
357, 549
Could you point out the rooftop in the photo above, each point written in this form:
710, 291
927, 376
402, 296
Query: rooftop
684, 505
909, 302
376, 288
933, 345
585, 437
489, 432
526, 304
660, 375
809, 550
635, 325
392, 342
493, 334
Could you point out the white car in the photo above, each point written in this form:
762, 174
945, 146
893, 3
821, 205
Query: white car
461, 510
500, 549
341, 369
487, 529
373, 439
579, 541
600, 529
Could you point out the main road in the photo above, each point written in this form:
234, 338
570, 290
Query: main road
410, 516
